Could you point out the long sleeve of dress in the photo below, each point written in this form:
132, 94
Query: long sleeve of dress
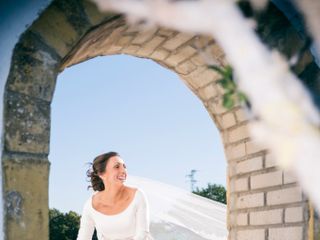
142, 220
86, 225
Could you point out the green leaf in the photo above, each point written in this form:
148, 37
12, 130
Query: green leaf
228, 72
217, 69
228, 101
224, 83
242, 97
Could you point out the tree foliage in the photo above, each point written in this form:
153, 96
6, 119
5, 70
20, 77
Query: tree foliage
64, 226
215, 192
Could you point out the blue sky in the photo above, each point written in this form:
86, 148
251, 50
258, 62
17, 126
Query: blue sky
137, 108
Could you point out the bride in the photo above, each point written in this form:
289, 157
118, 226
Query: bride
117, 211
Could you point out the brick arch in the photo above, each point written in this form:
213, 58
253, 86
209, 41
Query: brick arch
263, 201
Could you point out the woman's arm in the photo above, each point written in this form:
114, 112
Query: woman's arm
142, 219
86, 225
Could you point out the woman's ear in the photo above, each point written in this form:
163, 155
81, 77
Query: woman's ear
102, 176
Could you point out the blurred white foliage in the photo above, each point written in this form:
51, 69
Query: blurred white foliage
286, 122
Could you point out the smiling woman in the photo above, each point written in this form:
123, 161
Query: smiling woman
116, 211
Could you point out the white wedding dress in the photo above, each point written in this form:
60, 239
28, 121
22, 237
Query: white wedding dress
179, 214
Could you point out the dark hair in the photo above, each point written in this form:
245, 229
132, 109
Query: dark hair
98, 166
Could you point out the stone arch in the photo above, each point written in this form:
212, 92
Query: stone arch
264, 202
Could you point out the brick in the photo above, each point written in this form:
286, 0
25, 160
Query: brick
221, 90
123, 41
239, 219
250, 200
216, 106
289, 177
294, 214
241, 184
228, 120
180, 56
288, 195
286, 233
266, 180
208, 92
251, 234
150, 46
234, 152
200, 78
144, 36
131, 49
177, 41
238, 133
114, 49
165, 32
254, 147
266, 217
242, 219
250, 165
186, 68
216, 51
198, 60
241, 115
108, 40
202, 42
160, 54
270, 161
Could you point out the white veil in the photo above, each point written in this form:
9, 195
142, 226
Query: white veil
177, 214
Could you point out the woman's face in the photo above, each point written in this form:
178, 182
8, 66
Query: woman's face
116, 171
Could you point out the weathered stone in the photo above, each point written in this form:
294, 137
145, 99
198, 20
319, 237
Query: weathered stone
131, 49
144, 36
201, 77
34, 68
27, 124
74, 12
150, 46
177, 41
180, 56
185, 68
95, 16
208, 92
26, 198
165, 32
160, 54
228, 120
54, 27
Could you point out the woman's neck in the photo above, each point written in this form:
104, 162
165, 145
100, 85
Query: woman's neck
112, 194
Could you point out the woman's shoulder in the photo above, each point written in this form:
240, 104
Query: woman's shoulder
140, 195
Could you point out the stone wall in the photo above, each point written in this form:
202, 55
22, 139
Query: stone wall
264, 202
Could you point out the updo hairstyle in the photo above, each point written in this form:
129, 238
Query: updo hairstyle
98, 167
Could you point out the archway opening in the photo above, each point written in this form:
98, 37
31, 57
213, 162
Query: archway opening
136, 107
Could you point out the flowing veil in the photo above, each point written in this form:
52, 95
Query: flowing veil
176, 214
